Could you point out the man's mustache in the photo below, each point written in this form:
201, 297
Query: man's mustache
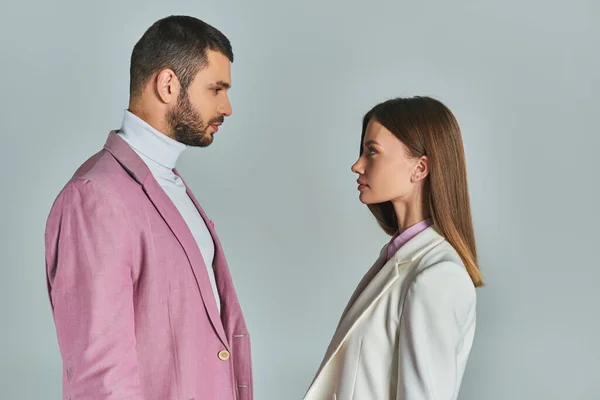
218, 120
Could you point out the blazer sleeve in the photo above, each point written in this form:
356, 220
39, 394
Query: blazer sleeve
438, 311
89, 265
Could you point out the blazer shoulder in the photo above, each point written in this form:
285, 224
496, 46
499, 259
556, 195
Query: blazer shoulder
101, 173
88, 195
442, 269
444, 289
99, 180
103, 169
448, 277
444, 252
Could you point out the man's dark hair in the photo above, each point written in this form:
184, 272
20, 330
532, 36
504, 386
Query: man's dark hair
179, 43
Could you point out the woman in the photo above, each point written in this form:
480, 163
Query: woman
407, 331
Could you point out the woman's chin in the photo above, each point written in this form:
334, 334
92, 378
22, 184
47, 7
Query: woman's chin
364, 198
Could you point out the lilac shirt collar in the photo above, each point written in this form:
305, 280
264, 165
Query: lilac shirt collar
400, 238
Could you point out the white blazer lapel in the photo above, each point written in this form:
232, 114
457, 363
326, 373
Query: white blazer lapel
393, 270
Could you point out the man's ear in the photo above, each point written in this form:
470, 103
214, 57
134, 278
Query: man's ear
167, 86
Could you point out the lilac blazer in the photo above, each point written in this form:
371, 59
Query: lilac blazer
132, 303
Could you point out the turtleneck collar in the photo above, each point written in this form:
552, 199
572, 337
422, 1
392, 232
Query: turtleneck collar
149, 142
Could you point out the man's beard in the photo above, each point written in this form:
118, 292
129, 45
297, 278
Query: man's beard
186, 124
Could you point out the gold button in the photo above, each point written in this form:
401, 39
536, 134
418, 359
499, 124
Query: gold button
224, 355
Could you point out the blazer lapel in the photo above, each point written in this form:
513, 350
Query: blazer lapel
163, 204
374, 270
393, 270
230, 311
178, 226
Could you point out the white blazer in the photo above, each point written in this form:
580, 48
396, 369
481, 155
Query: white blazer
407, 331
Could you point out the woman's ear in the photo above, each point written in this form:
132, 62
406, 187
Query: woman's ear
421, 169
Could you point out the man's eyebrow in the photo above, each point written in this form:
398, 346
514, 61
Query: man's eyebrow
223, 84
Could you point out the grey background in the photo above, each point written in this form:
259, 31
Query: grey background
521, 77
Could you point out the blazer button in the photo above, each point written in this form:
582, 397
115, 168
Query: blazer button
224, 355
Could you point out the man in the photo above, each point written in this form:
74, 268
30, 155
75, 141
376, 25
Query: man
141, 295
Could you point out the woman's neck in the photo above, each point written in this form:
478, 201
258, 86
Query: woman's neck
409, 214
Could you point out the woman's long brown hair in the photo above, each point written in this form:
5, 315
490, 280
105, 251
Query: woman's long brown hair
428, 128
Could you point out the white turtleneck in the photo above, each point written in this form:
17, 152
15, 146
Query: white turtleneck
160, 153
